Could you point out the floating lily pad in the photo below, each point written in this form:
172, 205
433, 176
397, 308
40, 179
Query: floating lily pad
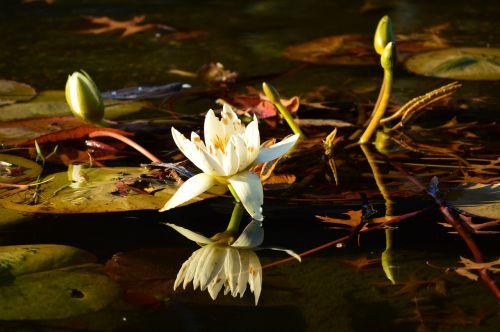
335, 50
357, 49
478, 199
31, 258
49, 281
53, 103
14, 169
458, 63
98, 190
10, 218
59, 293
12, 91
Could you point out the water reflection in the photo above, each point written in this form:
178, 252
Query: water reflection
225, 262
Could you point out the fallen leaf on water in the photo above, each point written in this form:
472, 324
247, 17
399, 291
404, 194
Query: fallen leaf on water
361, 262
470, 265
256, 103
129, 27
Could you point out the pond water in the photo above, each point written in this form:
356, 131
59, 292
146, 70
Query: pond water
339, 288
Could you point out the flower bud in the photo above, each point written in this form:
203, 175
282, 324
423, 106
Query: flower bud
388, 57
84, 98
383, 34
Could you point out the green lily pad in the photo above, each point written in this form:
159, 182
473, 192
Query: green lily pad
53, 103
12, 91
31, 258
478, 199
98, 190
14, 169
10, 218
58, 293
458, 63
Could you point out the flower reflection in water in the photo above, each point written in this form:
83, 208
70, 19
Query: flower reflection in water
224, 262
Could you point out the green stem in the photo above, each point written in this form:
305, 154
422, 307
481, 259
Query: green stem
378, 112
289, 119
234, 223
235, 195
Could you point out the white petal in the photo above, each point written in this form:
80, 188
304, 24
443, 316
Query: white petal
252, 139
243, 276
212, 127
215, 287
251, 237
205, 253
197, 153
191, 269
255, 275
241, 152
232, 269
212, 267
230, 161
288, 251
193, 187
182, 273
249, 189
276, 150
193, 236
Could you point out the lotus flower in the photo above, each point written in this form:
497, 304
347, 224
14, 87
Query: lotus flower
228, 152
221, 261
84, 98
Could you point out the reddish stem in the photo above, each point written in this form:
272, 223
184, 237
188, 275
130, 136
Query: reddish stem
127, 141
457, 225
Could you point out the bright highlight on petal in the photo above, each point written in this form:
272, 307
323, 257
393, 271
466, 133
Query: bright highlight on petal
193, 187
277, 150
227, 153
249, 189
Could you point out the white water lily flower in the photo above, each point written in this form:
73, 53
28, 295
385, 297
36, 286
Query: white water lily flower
228, 152
220, 263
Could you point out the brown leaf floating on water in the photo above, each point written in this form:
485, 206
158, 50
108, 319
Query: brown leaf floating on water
129, 27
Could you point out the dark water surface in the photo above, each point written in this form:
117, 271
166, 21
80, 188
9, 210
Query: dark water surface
41, 45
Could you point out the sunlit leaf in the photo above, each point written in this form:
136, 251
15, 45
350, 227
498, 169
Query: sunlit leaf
12, 91
458, 63
478, 199
15, 169
53, 104
105, 190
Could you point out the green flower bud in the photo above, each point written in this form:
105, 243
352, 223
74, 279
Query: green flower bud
84, 98
383, 34
271, 93
388, 57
